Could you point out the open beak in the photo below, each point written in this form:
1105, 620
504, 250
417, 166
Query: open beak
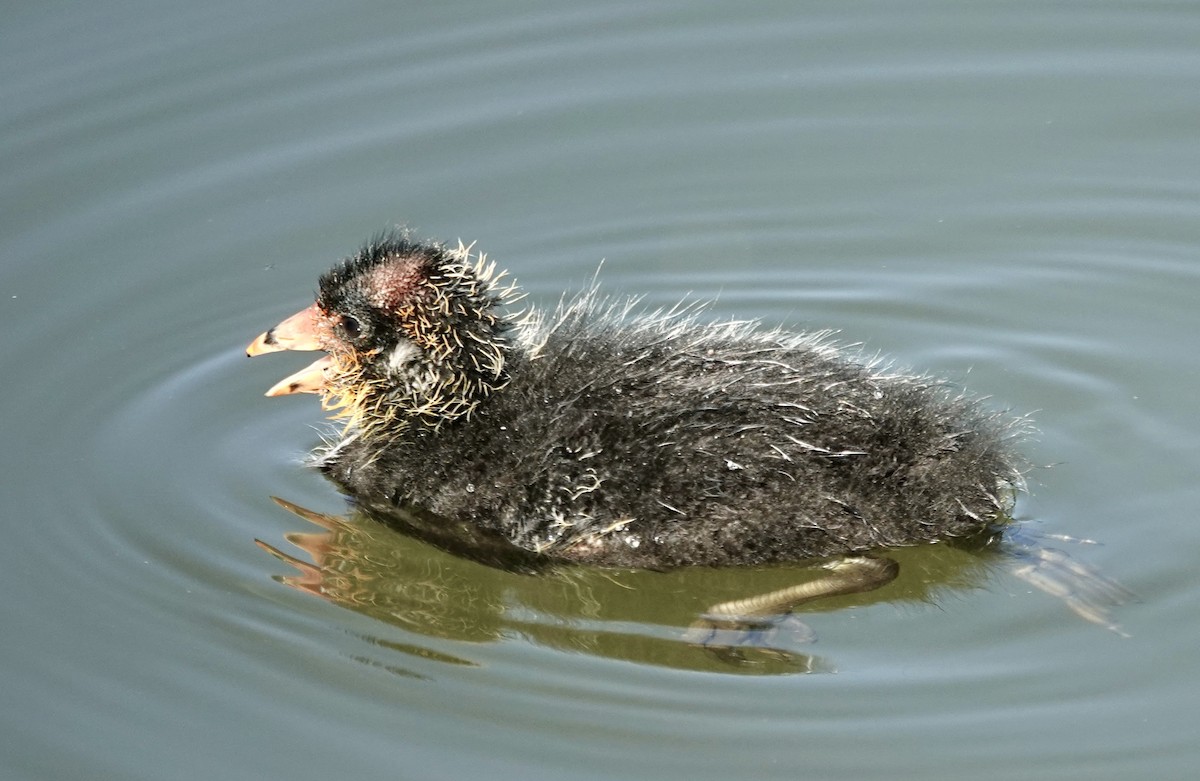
298, 332
310, 379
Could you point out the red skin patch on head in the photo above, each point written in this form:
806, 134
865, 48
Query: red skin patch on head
390, 284
324, 325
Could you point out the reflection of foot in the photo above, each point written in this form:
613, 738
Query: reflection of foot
771, 632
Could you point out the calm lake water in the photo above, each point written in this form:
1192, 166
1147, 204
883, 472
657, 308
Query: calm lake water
1005, 194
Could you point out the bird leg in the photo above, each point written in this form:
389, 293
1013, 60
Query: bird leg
741, 621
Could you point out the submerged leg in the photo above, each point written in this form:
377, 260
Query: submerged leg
1090, 595
744, 621
849, 575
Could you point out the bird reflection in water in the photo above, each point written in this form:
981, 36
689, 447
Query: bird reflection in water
385, 568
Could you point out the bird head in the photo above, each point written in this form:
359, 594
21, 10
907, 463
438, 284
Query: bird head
413, 334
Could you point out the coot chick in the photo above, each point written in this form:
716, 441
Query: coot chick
601, 434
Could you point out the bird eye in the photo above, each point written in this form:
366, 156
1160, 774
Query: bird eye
351, 326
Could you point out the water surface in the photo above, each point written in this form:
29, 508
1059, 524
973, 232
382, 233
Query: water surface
1005, 195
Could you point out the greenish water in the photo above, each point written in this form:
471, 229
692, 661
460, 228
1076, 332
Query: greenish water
1003, 194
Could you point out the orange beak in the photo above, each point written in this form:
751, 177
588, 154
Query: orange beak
301, 331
